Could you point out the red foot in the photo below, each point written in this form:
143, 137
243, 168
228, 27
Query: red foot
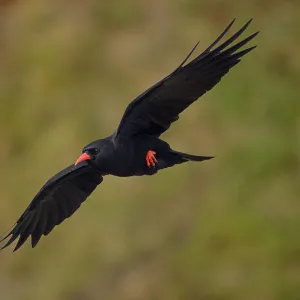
150, 158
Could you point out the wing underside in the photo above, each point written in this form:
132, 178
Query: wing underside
59, 198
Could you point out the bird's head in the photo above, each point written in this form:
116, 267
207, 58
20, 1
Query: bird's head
93, 152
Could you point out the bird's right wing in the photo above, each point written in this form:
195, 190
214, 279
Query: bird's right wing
58, 199
156, 109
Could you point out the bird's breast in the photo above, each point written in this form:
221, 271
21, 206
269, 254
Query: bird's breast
119, 161
127, 159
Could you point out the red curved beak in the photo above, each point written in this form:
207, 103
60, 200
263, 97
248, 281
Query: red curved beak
84, 156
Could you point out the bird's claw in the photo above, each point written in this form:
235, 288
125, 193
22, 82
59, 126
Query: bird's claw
150, 158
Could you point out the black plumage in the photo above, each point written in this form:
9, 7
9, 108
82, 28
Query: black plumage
58, 199
135, 148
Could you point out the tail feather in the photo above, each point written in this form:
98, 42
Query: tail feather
172, 158
190, 157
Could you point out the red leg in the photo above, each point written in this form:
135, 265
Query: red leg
150, 158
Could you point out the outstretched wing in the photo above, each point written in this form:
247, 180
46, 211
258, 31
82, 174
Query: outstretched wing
153, 111
58, 199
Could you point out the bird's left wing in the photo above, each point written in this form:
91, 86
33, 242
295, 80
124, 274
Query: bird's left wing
57, 200
153, 111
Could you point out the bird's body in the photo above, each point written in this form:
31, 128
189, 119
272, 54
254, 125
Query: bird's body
127, 157
135, 148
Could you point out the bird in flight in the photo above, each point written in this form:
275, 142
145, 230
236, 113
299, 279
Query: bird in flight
135, 148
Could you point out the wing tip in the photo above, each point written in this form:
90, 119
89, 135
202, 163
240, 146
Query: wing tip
232, 22
186, 59
11, 237
248, 23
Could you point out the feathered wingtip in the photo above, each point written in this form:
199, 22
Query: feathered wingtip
10, 236
217, 50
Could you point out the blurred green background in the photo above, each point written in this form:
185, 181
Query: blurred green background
225, 229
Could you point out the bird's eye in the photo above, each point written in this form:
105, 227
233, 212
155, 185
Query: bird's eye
94, 151
91, 151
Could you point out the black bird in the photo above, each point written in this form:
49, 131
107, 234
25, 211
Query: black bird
135, 148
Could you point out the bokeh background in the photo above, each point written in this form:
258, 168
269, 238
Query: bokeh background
223, 229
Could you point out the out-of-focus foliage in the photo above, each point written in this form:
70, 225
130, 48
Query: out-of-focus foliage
225, 229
